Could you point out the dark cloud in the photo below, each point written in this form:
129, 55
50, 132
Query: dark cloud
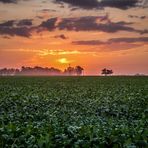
78, 24
74, 9
89, 23
145, 31
111, 41
16, 28
121, 4
12, 1
25, 27
94, 23
61, 36
8, 1
15, 31
89, 42
9, 23
139, 17
128, 40
91, 4
25, 22
49, 24
86, 4
143, 17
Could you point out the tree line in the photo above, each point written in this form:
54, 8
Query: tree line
78, 70
37, 70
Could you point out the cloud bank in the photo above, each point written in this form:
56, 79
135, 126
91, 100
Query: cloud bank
95, 4
25, 27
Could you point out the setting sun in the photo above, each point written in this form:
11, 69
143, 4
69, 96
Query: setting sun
63, 61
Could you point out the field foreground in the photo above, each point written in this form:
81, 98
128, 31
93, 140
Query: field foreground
44, 112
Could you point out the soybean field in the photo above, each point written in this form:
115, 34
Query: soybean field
73, 112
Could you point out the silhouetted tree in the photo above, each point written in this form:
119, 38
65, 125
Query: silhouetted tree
106, 72
79, 70
8, 71
69, 70
54, 71
39, 71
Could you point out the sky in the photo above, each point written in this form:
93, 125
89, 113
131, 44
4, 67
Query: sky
94, 34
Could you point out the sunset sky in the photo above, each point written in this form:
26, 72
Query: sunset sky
92, 33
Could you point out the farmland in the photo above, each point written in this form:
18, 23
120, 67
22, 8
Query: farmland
44, 112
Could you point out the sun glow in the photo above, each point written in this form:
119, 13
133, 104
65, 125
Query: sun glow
63, 61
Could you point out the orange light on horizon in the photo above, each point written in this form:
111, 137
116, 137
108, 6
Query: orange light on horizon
64, 61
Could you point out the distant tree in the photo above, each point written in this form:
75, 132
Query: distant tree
69, 70
37, 70
4, 71
110, 72
17, 72
79, 70
106, 72
8, 71
54, 71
